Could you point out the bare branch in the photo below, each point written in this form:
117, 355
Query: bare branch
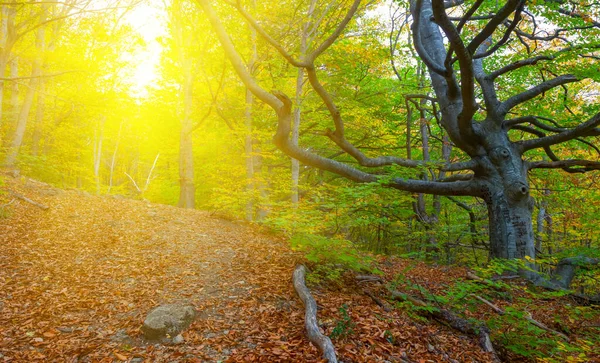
492, 25
535, 91
417, 42
338, 31
452, 3
585, 165
236, 60
467, 75
40, 76
519, 64
283, 142
571, 134
253, 23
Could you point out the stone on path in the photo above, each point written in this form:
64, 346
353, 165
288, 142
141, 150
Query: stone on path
167, 321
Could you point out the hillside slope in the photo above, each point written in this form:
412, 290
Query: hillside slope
77, 279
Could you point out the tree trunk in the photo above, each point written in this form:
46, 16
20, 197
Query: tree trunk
98, 152
510, 207
296, 135
39, 118
14, 90
249, 157
36, 71
7, 40
187, 189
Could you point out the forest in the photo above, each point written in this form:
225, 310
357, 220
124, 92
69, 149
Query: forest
307, 180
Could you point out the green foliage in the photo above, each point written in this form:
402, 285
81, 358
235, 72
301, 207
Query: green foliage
344, 326
331, 257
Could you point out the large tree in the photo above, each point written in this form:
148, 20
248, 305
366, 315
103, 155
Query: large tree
472, 50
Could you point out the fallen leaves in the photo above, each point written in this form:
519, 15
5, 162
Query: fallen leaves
76, 281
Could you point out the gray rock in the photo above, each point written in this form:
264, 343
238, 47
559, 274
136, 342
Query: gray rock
137, 360
168, 321
178, 339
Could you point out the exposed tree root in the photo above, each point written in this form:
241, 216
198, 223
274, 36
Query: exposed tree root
527, 317
565, 269
562, 278
368, 278
321, 341
490, 283
25, 199
377, 301
447, 317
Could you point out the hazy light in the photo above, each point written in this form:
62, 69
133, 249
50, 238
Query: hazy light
146, 19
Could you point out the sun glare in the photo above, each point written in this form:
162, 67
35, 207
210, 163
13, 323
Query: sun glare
147, 21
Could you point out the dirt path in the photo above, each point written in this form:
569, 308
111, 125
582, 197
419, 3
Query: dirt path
77, 280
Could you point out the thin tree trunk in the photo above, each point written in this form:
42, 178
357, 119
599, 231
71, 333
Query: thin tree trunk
542, 218
296, 134
36, 70
251, 183
14, 89
39, 118
298, 110
187, 188
186, 154
98, 152
7, 40
249, 157
114, 158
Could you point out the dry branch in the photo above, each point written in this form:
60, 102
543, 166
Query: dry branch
454, 322
528, 317
25, 199
322, 342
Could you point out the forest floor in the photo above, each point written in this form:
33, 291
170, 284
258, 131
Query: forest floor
77, 280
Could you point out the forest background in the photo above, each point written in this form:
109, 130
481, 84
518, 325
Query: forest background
137, 99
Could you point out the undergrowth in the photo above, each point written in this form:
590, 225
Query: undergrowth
329, 258
511, 332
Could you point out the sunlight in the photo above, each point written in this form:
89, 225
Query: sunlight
147, 21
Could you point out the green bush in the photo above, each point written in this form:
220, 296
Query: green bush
330, 257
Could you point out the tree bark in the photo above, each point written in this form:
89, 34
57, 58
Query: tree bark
322, 342
99, 136
298, 110
510, 207
36, 70
7, 40
187, 188
39, 118
248, 140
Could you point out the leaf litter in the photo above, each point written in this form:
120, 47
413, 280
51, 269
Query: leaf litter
76, 281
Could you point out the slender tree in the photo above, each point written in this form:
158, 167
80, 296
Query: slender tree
464, 68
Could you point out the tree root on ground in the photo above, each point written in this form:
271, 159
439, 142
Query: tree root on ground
528, 317
25, 199
455, 322
561, 279
321, 341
